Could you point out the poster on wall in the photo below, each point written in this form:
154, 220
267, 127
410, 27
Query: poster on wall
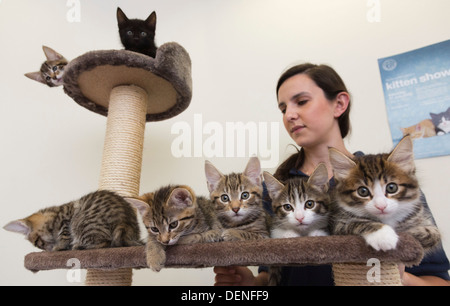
416, 87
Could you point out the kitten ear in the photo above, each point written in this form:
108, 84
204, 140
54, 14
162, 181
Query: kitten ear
151, 20
121, 17
274, 186
253, 170
213, 176
403, 154
36, 76
342, 164
18, 226
141, 206
319, 177
51, 54
181, 197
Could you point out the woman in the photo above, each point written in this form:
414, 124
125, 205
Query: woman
315, 105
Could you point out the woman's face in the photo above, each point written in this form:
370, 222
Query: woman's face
308, 116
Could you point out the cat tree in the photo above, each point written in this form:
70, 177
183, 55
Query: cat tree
132, 89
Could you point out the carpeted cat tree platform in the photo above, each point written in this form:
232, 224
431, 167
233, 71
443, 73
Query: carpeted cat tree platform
132, 89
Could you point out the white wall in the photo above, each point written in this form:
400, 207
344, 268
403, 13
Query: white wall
52, 148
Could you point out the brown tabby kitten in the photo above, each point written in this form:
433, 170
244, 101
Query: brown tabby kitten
300, 205
301, 208
52, 70
100, 219
237, 199
378, 196
173, 214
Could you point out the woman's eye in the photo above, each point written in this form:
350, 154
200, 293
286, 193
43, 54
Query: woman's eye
245, 195
224, 198
363, 192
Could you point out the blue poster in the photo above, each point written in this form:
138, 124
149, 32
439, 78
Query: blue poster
416, 87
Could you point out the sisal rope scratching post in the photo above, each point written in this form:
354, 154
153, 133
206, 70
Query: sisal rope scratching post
359, 274
122, 161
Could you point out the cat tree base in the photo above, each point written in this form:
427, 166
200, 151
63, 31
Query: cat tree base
336, 250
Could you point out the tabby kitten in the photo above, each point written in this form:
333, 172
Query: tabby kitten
173, 214
137, 35
300, 205
378, 196
237, 199
300, 208
98, 220
52, 70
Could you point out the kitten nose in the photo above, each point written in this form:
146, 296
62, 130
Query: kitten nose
235, 209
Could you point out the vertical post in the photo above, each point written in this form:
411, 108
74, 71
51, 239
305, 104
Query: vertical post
356, 274
122, 161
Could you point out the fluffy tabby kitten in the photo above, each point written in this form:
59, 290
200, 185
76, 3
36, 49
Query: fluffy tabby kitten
173, 214
137, 35
378, 196
52, 70
300, 205
98, 220
237, 199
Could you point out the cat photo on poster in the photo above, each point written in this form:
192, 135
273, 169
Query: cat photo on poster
416, 86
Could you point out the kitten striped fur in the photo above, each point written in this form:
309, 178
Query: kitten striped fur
172, 215
378, 196
97, 220
237, 200
301, 208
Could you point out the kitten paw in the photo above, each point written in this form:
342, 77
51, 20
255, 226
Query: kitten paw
156, 260
383, 239
317, 233
232, 235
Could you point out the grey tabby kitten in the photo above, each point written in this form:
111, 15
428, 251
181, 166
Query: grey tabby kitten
174, 215
237, 199
300, 207
100, 219
378, 196
52, 70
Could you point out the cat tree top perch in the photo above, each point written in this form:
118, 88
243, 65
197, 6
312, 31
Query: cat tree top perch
166, 79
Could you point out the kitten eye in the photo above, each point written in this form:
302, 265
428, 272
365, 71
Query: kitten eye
288, 207
391, 188
363, 192
224, 198
55, 68
154, 229
48, 78
130, 33
310, 204
245, 195
173, 225
143, 34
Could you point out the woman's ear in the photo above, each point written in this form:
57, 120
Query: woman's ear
342, 101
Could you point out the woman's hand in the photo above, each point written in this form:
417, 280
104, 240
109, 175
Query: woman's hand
236, 276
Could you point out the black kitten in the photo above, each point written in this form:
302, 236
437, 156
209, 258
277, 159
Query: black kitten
137, 35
